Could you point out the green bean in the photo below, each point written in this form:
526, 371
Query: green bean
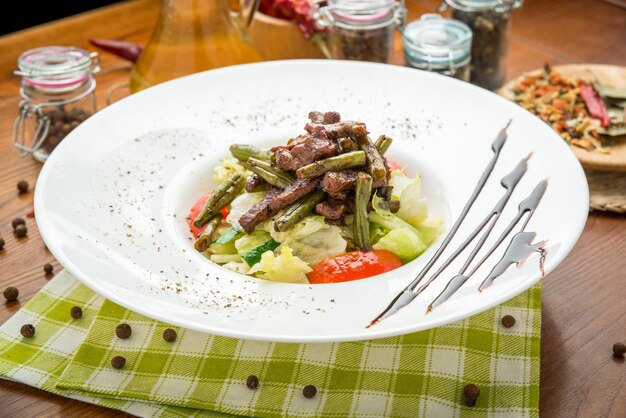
336, 163
220, 197
346, 145
361, 223
244, 151
268, 176
206, 237
383, 143
298, 211
375, 162
272, 169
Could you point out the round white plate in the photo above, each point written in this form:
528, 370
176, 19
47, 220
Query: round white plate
112, 199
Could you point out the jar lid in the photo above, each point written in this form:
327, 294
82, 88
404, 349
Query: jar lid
437, 41
361, 12
57, 66
476, 5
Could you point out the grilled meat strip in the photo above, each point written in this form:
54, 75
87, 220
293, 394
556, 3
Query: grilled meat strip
293, 193
316, 146
336, 181
259, 212
331, 209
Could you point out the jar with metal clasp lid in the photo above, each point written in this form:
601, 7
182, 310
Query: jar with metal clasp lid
58, 93
360, 29
489, 20
433, 43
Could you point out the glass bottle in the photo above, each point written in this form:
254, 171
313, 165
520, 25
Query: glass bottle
433, 43
192, 36
58, 93
360, 29
490, 22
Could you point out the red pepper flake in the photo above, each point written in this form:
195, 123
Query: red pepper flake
595, 104
31, 214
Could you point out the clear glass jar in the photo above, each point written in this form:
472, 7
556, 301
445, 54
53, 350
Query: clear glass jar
433, 43
58, 93
360, 29
490, 22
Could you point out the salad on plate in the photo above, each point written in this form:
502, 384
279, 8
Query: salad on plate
326, 207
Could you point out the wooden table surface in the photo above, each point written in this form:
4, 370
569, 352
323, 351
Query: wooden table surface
583, 299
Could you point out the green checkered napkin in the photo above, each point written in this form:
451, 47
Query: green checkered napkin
414, 375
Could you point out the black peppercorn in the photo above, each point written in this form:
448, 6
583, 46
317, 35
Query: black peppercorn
48, 268
27, 331
508, 321
11, 293
309, 391
1, 244
619, 349
118, 362
20, 231
18, 221
471, 393
169, 335
123, 331
252, 382
76, 312
22, 186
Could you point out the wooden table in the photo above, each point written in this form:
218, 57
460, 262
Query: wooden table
583, 300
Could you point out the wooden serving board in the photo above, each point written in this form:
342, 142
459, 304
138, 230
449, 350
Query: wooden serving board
612, 75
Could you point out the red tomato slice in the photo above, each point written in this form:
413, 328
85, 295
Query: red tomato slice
353, 266
196, 209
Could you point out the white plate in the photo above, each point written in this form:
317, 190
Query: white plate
112, 199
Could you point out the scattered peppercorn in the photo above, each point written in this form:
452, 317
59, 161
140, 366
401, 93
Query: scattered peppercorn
508, 321
1, 244
20, 231
11, 293
48, 268
18, 221
123, 331
22, 186
471, 392
252, 382
76, 312
169, 335
118, 362
619, 349
27, 330
309, 391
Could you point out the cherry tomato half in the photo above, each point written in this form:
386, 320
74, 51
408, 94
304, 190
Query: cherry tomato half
196, 209
353, 266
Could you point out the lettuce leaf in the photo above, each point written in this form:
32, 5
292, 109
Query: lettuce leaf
311, 239
431, 229
403, 242
241, 205
285, 267
230, 165
413, 208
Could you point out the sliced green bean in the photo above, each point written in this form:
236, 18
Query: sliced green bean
346, 145
383, 143
361, 223
298, 211
336, 163
205, 237
220, 197
268, 176
244, 151
375, 162
271, 168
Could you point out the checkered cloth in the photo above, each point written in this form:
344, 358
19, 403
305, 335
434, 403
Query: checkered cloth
414, 375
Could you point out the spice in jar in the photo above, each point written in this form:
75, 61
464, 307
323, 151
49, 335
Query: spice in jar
489, 21
440, 45
360, 30
58, 93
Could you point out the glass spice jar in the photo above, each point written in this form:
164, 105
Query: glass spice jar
489, 21
58, 93
360, 29
440, 45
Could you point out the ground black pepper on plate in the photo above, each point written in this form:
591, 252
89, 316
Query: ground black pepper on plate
123, 331
76, 312
118, 362
11, 293
20, 231
17, 221
619, 349
489, 45
471, 393
22, 186
252, 382
48, 268
309, 391
508, 321
169, 335
27, 331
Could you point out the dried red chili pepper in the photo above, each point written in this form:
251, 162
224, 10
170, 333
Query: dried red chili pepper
130, 51
595, 104
298, 11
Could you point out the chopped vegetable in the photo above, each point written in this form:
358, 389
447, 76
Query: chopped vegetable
595, 105
336, 163
430, 230
195, 211
221, 196
383, 143
254, 256
375, 162
244, 151
353, 266
227, 168
206, 237
361, 223
298, 211
281, 268
403, 242
241, 205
